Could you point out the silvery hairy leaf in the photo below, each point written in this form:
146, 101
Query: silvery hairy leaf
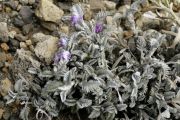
110, 109
63, 95
94, 114
89, 69
166, 114
70, 102
52, 86
110, 116
92, 86
32, 70
46, 73
80, 54
66, 86
169, 95
21, 85
67, 77
24, 113
113, 83
77, 9
36, 87
121, 107
136, 77
82, 103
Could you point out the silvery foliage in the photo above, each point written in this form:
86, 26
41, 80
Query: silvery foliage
105, 78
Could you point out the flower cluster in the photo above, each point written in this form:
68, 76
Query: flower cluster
98, 27
62, 56
77, 15
63, 42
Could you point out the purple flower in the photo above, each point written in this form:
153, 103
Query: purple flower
63, 42
62, 56
98, 27
76, 19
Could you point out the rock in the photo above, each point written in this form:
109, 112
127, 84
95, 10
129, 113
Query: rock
19, 7
123, 9
65, 29
47, 11
23, 45
26, 13
31, 48
3, 32
13, 4
145, 22
9, 58
11, 34
49, 26
4, 46
24, 2
110, 5
109, 20
31, 2
8, 9
28, 42
20, 37
96, 4
14, 14
14, 43
2, 59
88, 12
46, 48
5, 86
27, 28
7, 114
64, 6
18, 22
1, 112
38, 37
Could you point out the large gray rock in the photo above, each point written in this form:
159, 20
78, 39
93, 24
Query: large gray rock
48, 11
46, 47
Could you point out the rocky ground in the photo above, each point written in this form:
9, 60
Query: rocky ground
35, 26
31, 29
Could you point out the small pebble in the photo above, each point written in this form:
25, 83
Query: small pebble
65, 29
19, 7
31, 47
110, 5
5, 86
14, 42
109, 20
23, 45
12, 34
28, 42
20, 37
31, 2
4, 46
8, 9
88, 13
24, 2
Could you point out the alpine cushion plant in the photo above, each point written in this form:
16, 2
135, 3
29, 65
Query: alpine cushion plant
96, 70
